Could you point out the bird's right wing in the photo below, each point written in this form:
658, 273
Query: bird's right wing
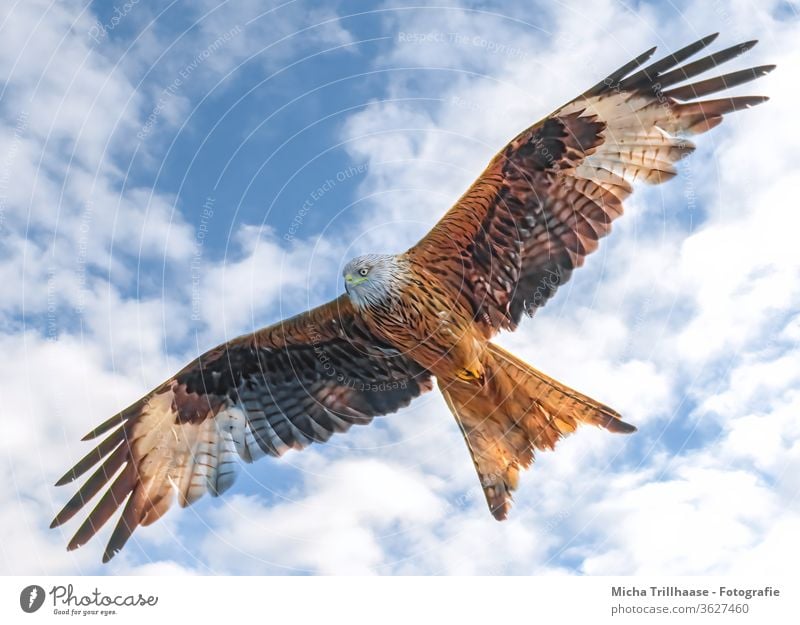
549, 196
283, 387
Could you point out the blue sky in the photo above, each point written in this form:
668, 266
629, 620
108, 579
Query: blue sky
169, 180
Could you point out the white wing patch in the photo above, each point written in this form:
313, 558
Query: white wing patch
641, 140
190, 459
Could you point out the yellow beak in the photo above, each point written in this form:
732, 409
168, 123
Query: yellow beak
354, 280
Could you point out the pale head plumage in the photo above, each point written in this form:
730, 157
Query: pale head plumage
373, 279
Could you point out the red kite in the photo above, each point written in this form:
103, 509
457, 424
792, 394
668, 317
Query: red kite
540, 207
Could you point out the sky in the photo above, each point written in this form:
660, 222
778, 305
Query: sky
174, 177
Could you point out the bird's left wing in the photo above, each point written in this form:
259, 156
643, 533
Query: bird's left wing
546, 199
283, 387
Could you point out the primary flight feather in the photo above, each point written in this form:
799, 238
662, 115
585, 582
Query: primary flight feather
540, 207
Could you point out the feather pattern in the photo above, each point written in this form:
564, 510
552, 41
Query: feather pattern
534, 215
550, 195
281, 388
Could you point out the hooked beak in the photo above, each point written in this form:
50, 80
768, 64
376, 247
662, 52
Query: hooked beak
351, 280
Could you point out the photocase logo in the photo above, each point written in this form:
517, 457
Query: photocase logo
31, 598
69, 602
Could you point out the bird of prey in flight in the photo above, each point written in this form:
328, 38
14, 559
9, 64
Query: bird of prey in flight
540, 207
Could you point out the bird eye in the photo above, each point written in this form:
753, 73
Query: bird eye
363, 272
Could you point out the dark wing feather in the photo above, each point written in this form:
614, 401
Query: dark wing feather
545, 201
283, 387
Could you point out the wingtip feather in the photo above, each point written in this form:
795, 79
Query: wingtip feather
618, 426
501, 509
66, 478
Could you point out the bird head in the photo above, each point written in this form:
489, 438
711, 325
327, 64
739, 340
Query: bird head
369, 279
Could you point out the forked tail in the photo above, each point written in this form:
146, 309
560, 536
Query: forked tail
519, 409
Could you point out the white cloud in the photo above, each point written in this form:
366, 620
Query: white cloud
336, 529
274, 31
262, 271
52, 386
697, 521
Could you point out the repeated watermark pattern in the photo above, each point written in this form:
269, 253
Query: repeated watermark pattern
460, 39
101, 30
468, 105
51, 322
317, 194
183, 75
20, 127
197, 256
330, 370
84, 228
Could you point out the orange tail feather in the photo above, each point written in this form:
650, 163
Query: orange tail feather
517, 410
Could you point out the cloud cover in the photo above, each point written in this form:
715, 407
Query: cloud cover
685, 320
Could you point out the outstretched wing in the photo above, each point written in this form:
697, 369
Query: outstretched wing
283, 387
550, 195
